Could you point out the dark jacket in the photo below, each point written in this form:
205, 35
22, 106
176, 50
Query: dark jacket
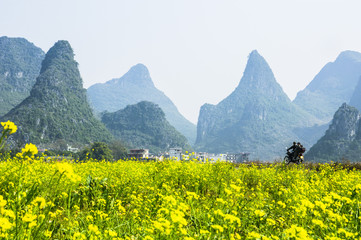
293, 147
297, 151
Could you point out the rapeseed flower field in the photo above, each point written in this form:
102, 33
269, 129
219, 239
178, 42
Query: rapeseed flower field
45, 199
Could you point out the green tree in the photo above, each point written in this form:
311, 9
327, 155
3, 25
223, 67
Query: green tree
99, 151
119, 150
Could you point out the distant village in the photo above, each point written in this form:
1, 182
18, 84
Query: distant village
176, 153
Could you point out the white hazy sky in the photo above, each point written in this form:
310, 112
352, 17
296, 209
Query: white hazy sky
195, 50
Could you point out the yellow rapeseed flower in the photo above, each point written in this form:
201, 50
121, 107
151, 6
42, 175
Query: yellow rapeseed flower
188, 238
296, 232
204, 231
259, 213
218, 228
32, 224
254, 235
5, 224
89, 218
112, 233
29, 150
229, 192
67, 169
319, 223
39, 200
177, 217
235, 187
48, 233
232, 219
29, 217
10, 126
79, 236
192, 195
8, 213
93, 229
270, 221
2, 201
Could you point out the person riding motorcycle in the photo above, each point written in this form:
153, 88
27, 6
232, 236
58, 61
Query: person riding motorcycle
297, 151
296, 154
303, 150
294, 145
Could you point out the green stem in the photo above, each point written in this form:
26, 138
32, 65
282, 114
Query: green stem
18, 200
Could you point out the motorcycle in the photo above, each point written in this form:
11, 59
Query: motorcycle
290, 159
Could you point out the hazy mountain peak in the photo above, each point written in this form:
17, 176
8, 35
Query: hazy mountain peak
257, 69
57, 68
140, 68
332, 86
137, 74
254, 54
258, 78
254, 57
349, 56
61, 51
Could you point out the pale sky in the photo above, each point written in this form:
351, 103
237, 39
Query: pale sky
195, 50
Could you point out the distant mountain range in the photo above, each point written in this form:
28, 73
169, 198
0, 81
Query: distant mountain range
20, 63
57, 108
136, 86
259, 118
143, 125
44, 96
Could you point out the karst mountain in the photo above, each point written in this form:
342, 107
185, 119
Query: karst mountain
143, 125
136, 86
257, 117
20, 63
57, 108
332, 86
342, 140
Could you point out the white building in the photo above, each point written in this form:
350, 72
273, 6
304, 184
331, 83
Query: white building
71, 149
138, 153
203, 156
175, 153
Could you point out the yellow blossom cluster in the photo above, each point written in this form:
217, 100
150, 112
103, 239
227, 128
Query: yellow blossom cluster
9, 127
29, 150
